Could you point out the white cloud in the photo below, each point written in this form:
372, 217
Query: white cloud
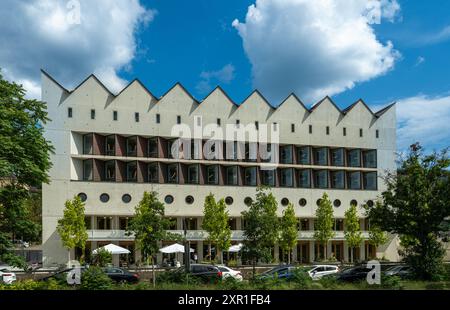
223, 76
420, 60
45, 34
434, 38
423, 119
315, 48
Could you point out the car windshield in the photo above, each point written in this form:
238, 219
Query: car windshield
394, 268
223, 269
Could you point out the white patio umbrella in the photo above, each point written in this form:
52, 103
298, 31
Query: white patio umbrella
174, 248
113, 249
235, 248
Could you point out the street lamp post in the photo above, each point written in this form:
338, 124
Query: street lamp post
187, 247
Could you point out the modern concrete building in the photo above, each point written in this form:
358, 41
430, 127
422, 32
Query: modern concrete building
110, 148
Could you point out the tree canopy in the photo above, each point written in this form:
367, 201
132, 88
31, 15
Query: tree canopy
288, 230
352, 232
324, 221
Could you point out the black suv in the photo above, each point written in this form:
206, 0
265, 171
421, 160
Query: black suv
204, 272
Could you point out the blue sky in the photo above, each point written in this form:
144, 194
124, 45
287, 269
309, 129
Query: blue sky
391, 50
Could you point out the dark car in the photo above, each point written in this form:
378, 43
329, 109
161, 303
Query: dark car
401, 271
61, 275
121, 275
353, 274
280, 272
204, 272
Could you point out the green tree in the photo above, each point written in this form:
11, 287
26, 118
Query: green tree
72, 226
377, 236
216, 223
352, 232
261, 227
24, 162
102, 257
288, 231
323, 223
415, 204
149, 227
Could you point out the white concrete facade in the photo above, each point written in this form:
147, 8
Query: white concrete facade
66, 134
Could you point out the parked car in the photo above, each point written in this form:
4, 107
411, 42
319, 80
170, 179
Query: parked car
6, 276
227, 272
401, 271
318, 271
281, 272
203, 272
121, 275
353, 274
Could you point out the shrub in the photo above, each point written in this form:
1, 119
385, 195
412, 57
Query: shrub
301, 278
391, 282
436, 286
232, 263
177, 276
230, 283
95, 279
329, 282
102, 258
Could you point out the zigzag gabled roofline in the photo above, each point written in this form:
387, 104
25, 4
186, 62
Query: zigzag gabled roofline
344, 111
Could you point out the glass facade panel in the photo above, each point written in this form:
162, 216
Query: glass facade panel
88, 170
104, 223
110, 145
370, 180
287, 177
321, 156
212, 174
152, 147
304, 178
172, 173
338, 179
337, 157
321, 179
153, 175
370, 159
354, 158
304, 157
192, 172
354, 180
268, 177
286, 154
110, 170
250, 176
231, 173
87, 143
131, 145
131, 172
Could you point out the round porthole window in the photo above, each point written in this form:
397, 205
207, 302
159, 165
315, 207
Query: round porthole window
189, 199
104, 197
284, 201
83, 197
302, 202
229, 200
353, 202
318, 201
126, 198
370, 203
248, 201
168, 199
337, 203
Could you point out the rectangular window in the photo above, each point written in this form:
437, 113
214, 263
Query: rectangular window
110, 171
354, 180
92, 114
292, 127
131, 146
87, 144
310, 128
152, 173
152, 147
238, 122
338, 224
123, 223
354, 158
338, 179
304, 178
136, 117
377, 134
212, 174
232, 174
286, 154
231, 150
370, 159
218, 122
88, 170
328, 130
268, 177
344, 131
104, 223
337, 157
287, 177
178, 119
321, 179
370, 180
110, 145
192, 174
131, 171
69, 112
257, 125
172, 173
87, 222
275, 126
158, 119
321, 156
304, 224
250, 176
303, 154
115, 115
250, 151
360, 132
